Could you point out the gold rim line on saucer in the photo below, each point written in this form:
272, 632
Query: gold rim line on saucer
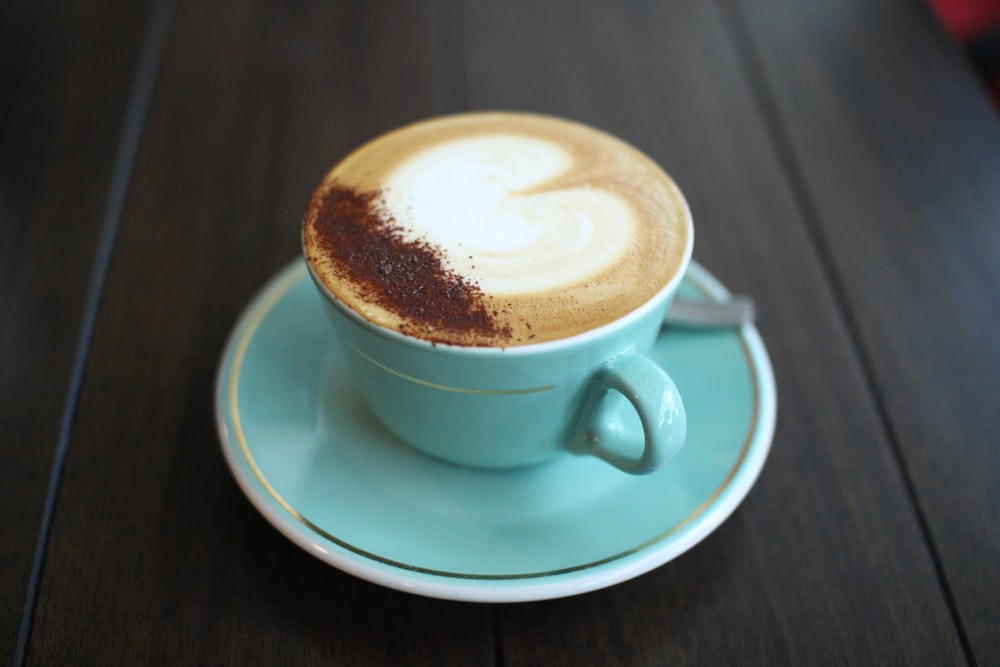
444, 387
251, 326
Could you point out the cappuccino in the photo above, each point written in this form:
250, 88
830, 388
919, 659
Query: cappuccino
496, 229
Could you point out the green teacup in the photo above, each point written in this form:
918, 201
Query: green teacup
496, 281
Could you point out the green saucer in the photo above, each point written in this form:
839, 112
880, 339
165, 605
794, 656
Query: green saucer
316, 463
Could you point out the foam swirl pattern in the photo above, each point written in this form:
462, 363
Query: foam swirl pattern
473, 199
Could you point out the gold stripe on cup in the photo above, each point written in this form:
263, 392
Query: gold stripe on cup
444, 387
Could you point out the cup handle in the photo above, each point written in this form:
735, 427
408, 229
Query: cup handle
655, 399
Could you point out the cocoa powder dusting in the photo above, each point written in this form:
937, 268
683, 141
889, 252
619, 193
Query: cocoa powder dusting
409, 278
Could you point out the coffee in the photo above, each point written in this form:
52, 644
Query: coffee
496, 229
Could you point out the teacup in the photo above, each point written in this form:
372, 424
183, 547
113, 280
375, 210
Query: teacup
497, 281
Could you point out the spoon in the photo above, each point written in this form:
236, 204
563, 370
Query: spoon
737, 311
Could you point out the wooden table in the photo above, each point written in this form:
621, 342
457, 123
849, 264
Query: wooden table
843, 167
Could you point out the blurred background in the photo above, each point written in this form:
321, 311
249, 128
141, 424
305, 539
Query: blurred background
841, 158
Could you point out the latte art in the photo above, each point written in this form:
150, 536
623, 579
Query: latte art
496, 229
482, 201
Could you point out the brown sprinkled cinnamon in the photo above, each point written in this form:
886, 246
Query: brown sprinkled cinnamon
368, 248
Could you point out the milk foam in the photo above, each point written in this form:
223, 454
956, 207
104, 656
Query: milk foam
559, 227
473, 198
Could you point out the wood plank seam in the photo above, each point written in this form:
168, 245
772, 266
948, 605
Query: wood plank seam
447, 48
140, 94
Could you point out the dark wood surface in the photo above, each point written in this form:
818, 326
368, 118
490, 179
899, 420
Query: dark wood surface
65, 89
843, 168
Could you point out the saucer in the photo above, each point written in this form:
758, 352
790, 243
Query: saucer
316, 463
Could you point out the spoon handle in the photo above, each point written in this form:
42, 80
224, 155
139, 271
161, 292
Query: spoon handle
738, 310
